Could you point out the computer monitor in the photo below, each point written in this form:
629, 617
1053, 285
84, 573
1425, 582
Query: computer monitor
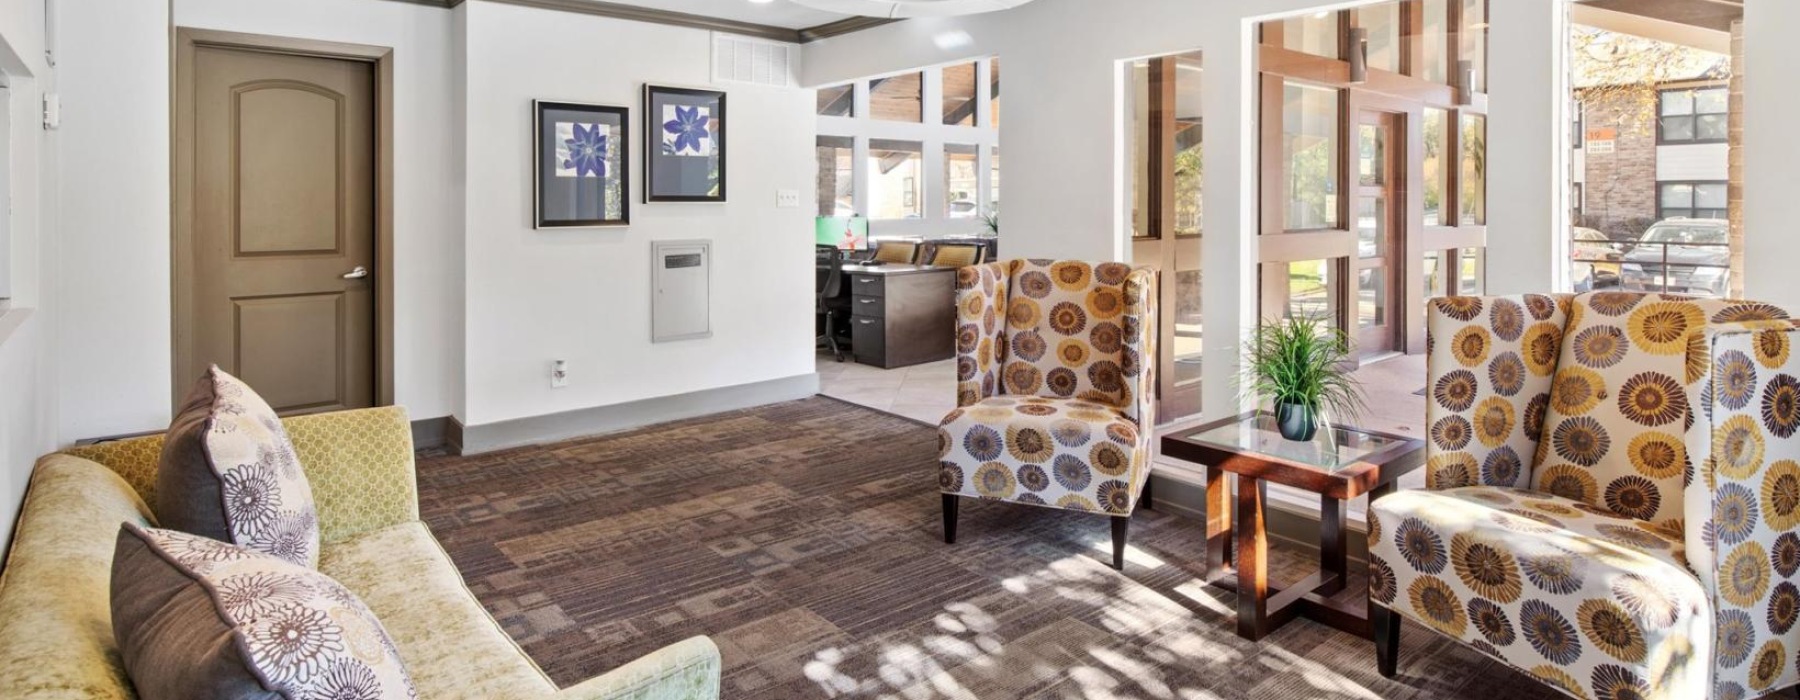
842, 232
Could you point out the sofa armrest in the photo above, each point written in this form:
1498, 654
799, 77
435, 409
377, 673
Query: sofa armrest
685, 670
1743, 506
981, 293
360, 465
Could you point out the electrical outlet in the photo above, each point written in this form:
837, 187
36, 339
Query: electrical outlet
787, 199
559, 374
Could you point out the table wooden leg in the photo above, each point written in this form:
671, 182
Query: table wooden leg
1333, 544
1252, 560
1218, 524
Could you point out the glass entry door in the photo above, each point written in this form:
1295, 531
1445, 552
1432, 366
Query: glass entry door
1375, 271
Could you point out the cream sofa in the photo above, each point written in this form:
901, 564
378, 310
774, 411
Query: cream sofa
56, 638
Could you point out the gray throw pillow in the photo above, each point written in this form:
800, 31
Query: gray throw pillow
199, 618
229, 472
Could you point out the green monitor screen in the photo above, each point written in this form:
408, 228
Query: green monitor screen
842, 232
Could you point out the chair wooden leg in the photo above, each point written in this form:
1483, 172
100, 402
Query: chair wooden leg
1147, 500
1386, 626
1121, 525
950, 502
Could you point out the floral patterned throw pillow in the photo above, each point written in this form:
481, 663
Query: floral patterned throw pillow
199, 618
229, 472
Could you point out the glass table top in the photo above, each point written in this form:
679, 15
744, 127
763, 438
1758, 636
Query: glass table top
1330, 450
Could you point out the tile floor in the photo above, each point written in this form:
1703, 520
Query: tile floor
927, 392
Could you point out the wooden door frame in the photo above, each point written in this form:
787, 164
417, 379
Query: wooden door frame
181, 166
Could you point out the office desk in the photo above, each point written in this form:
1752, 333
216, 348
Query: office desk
902, 315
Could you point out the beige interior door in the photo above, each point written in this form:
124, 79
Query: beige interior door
279, 278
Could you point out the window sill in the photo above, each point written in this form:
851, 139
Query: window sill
10, 320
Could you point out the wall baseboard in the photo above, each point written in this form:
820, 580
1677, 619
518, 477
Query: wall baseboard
488, 437
429, 433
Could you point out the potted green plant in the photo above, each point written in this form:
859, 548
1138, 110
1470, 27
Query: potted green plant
1303, 366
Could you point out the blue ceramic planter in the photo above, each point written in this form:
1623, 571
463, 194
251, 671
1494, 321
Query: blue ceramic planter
1296, 421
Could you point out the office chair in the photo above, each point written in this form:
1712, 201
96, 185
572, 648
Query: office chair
831, 305
897, 252
957, 255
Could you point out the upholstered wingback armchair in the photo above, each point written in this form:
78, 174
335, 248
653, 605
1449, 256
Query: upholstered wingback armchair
1613, 497
1056, 389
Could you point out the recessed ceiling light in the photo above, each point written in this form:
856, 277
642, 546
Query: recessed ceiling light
761, 2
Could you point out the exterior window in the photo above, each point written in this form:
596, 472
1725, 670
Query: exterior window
1575, 201
1383, 24
898, 98
1436, 38
837, 101
1436, 166
1312, 290
1474, 40
1692, 200
1316, 34
994, 187
837, 176
994, 93
1471, 272
959, 95
1310, 147
1579, 133
1474, 170
896, 179
1434, 274
1692, 115
961, 184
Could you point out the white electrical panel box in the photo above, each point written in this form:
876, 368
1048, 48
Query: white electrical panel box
681, 290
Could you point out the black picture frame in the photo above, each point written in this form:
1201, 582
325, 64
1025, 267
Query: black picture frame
569, 193
678, 167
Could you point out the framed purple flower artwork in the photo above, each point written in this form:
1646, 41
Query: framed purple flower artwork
582, 158
684, 144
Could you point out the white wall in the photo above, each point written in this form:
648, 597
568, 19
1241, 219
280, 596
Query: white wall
1064, 133
112, 340
115, 340
583, 295
1772, 151
428, 226
27, 402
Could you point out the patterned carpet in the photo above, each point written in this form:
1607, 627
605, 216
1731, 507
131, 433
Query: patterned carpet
805, 539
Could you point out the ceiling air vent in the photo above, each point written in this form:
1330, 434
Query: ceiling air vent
738, 59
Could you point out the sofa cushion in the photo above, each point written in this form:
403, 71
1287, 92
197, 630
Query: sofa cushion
452, 647
1484, 412
196, 617
229, 472
1613, 435
1065, 453
1598, 605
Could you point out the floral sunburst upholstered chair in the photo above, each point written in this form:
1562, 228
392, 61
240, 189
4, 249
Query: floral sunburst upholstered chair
1056, 389
1613, 501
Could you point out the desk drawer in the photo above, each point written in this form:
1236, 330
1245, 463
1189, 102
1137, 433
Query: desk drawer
868, 340
874, 307
868, 285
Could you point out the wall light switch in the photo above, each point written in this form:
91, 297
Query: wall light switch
787, 199
559, 374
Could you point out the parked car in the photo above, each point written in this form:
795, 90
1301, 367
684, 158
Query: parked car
1596, 260
1697, 253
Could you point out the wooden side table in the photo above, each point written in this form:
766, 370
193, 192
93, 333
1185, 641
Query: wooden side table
1338, 465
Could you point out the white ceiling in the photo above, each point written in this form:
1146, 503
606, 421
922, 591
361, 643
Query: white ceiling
780, 13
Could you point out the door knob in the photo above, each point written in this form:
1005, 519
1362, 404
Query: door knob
358, 273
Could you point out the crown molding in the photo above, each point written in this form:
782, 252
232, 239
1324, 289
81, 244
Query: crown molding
615, 10
841, 27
